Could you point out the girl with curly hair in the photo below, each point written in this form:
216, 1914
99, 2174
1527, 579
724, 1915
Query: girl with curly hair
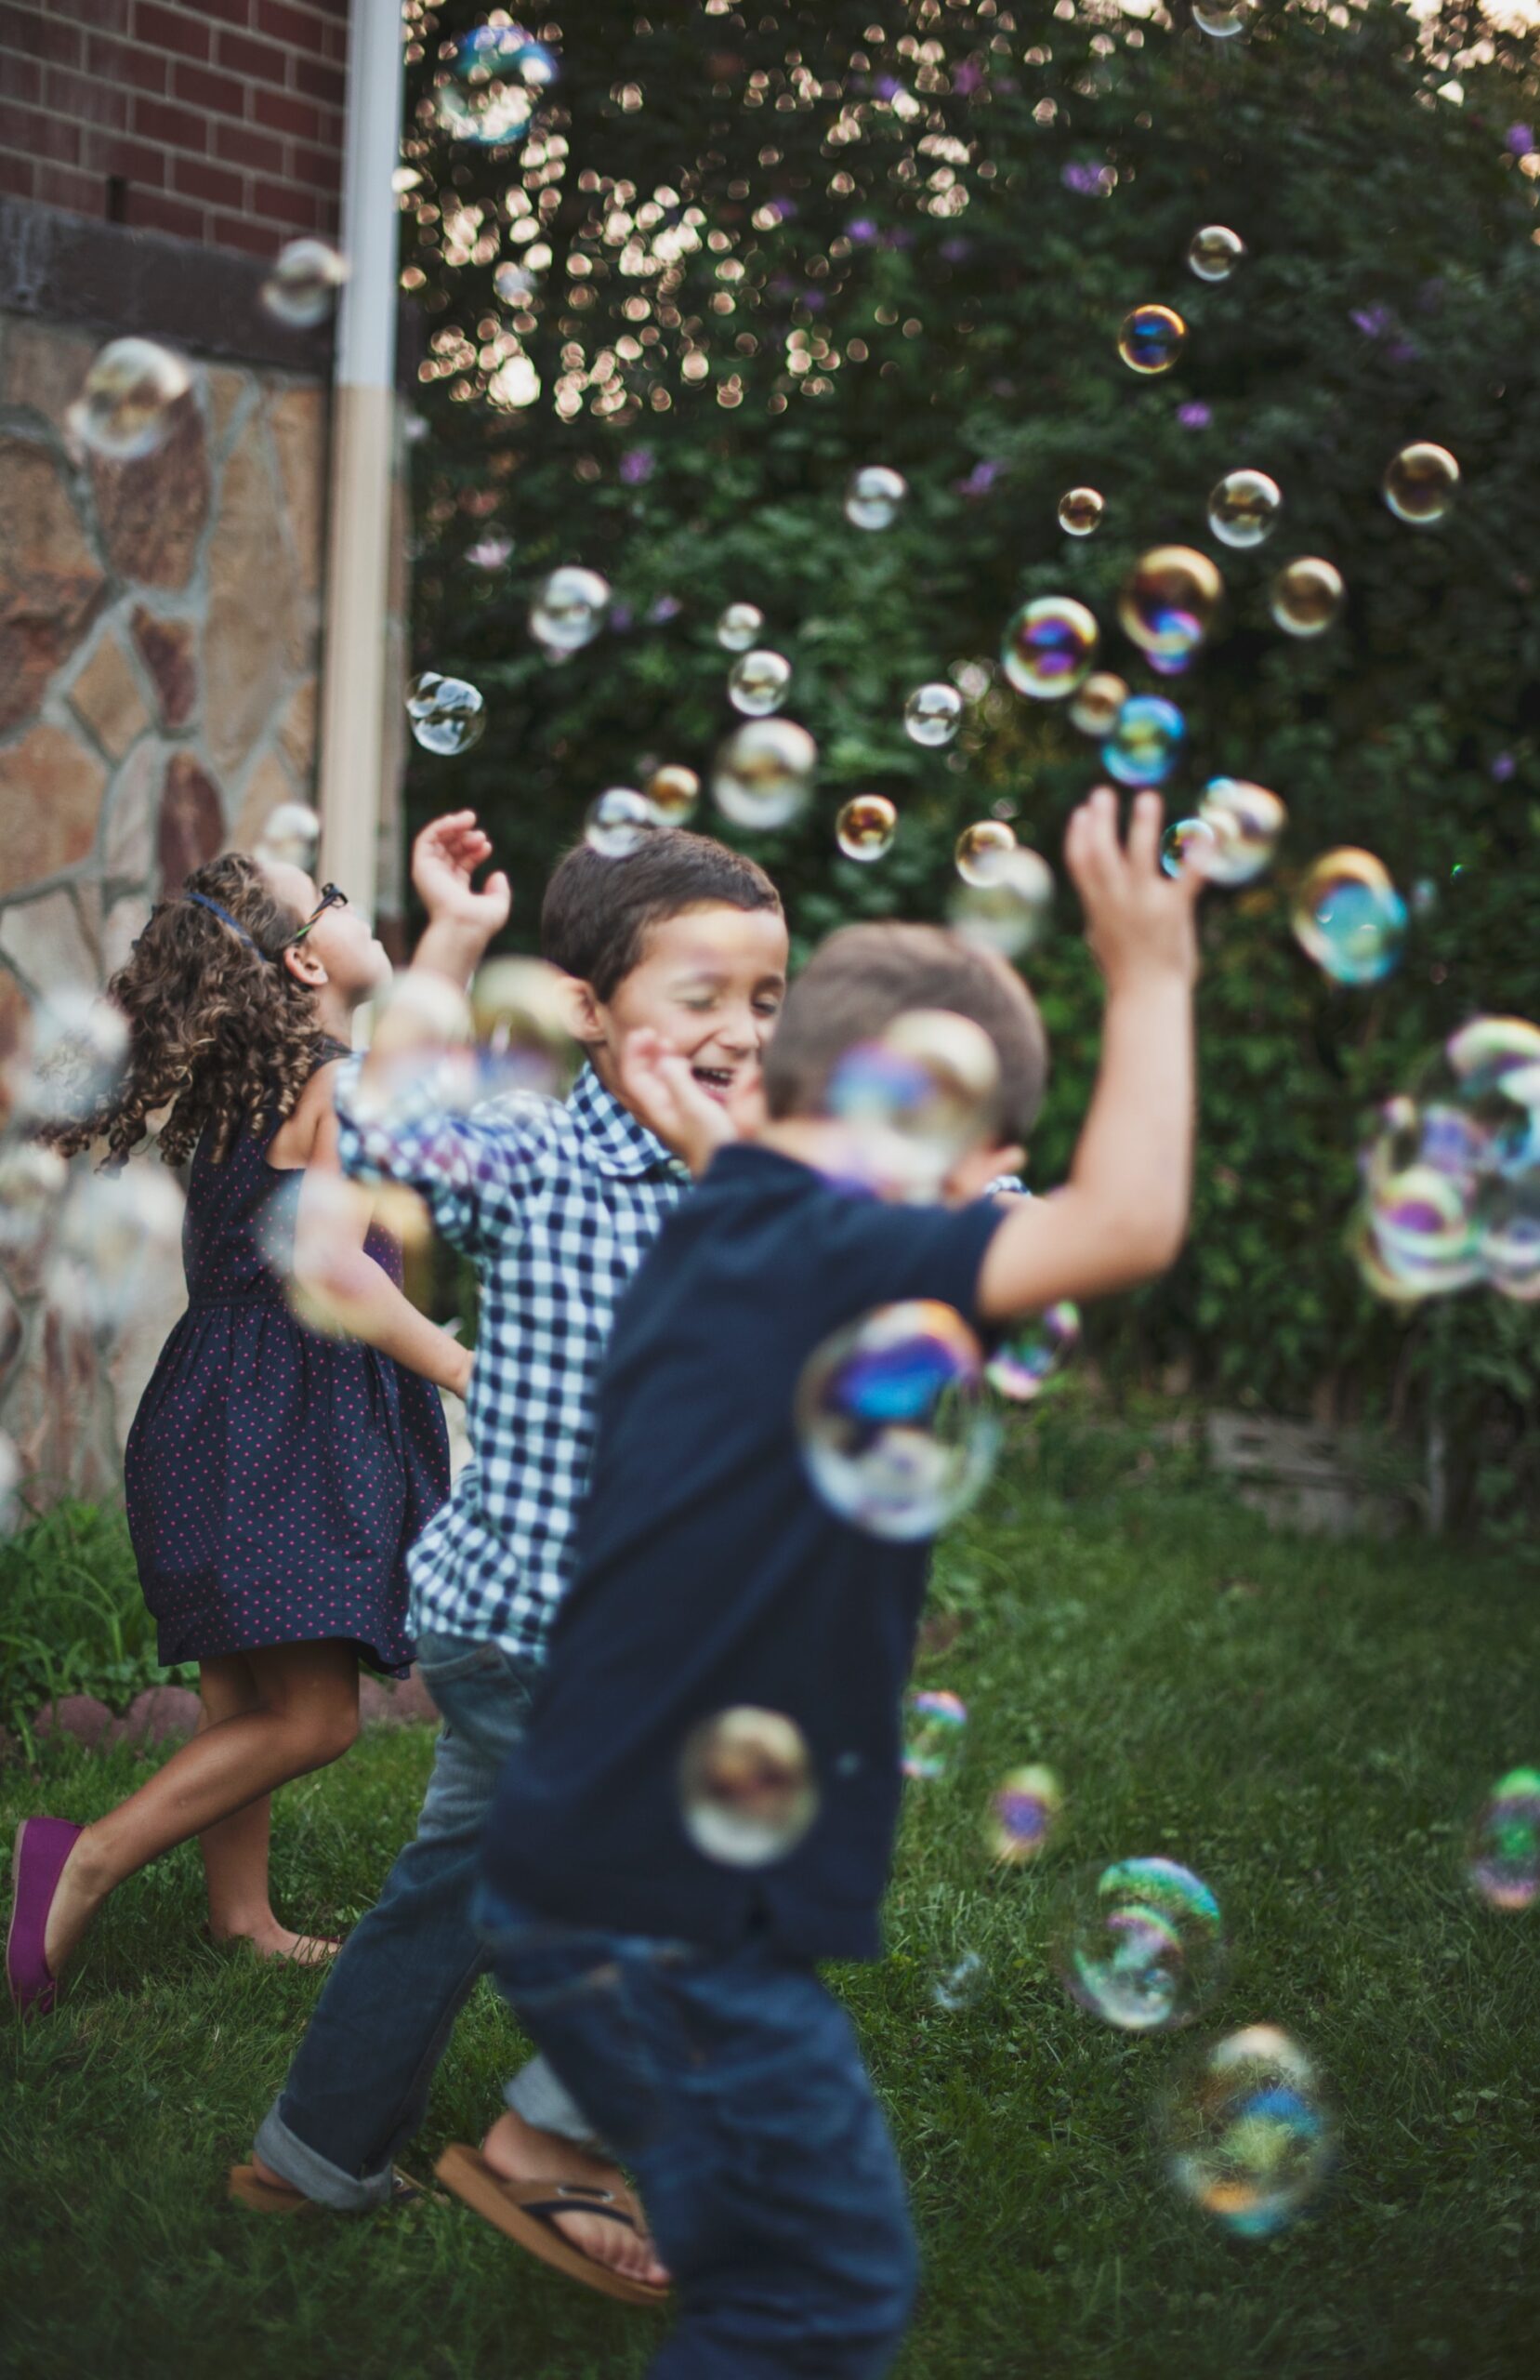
275, 1474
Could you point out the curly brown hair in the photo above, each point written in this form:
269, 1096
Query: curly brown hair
219, 1032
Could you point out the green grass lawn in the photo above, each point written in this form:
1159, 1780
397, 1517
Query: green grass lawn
1308, 1724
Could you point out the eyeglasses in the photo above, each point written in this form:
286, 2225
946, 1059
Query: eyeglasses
330, 899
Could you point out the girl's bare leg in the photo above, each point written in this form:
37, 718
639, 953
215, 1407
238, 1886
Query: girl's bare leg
306, 1716
235, 1851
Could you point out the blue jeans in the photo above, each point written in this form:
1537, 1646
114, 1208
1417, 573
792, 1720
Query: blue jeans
357, 2087
734, 2085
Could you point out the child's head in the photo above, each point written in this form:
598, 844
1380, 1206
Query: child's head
682, 935
335, 947
862, 980
220, 1027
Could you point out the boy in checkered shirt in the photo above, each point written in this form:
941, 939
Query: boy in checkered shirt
554, 1204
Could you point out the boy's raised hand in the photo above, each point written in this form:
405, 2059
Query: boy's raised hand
1138, 920
445, 858
660, 1089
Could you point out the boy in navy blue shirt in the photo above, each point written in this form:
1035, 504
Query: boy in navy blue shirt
676, 1995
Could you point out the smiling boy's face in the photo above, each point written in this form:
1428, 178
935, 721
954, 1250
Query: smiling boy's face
711, 979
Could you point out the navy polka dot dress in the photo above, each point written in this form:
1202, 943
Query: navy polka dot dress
274, 1477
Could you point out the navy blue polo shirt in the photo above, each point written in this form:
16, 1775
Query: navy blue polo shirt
710, 1575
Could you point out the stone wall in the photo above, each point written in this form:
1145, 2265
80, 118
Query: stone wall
159, 643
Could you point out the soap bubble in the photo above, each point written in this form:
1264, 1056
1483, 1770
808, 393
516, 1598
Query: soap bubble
959, 1983
1140, 1944
747, 1793
932, 713
291, 834
738, 627
32, 1183
514, 283
1033, 1352
522, 1018
866, 825
896, 1436
1146, 741
874, 496
127, 401
496, 78
1170, 600
1095, 705
1023, 1814
933, 1737
979, 849
447, 715
1010, 909
79, 1048
1306, 596
1221, 19
1247, 2133
569, 610
671, 794
421, 1052
1080, 512
763, 773
1151, 338
1213, 253
119, 1235
302, 288
617, 822
912, 1100
1419, 483
1349, 917
757, 683
1245, 822
1244, 507
1049, 646
1504, 1842
1184, 844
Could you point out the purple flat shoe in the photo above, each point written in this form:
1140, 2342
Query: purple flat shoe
42, 1847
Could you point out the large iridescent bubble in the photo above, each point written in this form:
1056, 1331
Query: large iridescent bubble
1246, 822
1049, 646
1420, 484
758, 683
979, 849
874, 496
1140, 1943
1146, 742
749, 1792
1245, 508
569, 610
763, 773
1504, 1860
1080, 512
1169, 600
1010, 909
1349, 917
933, 713
911, 1102
895, 1431
866, 827
127, 403
1151, 338
1214, 251
447, 715
1248, 2132
1023, 1814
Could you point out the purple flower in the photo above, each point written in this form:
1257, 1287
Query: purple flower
981, 478
637, 466
1091, 182
1195, 415
1519, 139
1505, 764
886, 86
621, 617
814, 300
863, 231
968, 79
899, 240
1403, 351
668, 607
1372, 321
955, 249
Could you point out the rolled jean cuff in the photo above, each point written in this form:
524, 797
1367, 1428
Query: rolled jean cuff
537, 2096
305, 2171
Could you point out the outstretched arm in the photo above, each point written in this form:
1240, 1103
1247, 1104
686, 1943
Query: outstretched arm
1122, 1216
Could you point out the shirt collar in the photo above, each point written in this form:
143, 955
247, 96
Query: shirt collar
617, 1142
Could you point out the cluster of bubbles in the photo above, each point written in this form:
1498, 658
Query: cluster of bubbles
1140, 1943
1233, 837
494, 80
1451, 1173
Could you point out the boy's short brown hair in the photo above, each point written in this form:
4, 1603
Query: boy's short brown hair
864, 977
596, 913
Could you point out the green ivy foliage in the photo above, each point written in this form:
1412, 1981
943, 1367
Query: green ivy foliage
901, 231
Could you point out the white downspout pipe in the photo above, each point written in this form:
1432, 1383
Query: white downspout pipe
358, 573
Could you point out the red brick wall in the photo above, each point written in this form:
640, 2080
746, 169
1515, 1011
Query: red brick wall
217, 120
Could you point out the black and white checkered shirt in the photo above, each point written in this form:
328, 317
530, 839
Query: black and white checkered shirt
556, 1204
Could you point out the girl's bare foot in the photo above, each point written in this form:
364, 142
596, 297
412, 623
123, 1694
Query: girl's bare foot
520, 2153
275, 1941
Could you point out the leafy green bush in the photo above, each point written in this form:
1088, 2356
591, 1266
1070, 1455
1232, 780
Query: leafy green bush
767, 247
72, 1616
